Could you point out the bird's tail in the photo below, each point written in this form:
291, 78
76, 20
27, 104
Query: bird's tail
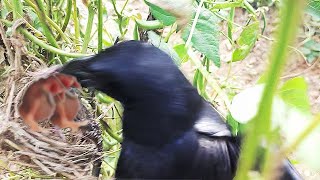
289, 172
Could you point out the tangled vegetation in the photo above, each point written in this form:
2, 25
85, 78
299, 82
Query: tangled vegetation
36, 34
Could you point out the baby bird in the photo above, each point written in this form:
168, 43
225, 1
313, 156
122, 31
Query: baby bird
46, 98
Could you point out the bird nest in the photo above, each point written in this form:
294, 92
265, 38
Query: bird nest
58, 154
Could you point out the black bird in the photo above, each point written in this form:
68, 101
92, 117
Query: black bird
169, 131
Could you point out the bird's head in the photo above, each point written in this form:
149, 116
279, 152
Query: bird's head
129, 72
146, 81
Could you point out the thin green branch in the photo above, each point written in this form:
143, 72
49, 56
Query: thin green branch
249, 8
67, 17
261, 124
87, 36
17, 9
230, 25
52, 23
110, 132
211, 82
195, 20
198, 64
46, 29
227, 20
124, 6
42, 44
305, 133
76, 23
113, 2
100, 25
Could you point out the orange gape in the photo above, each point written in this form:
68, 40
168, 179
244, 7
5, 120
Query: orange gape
49, 98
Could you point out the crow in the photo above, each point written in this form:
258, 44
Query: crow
169, 130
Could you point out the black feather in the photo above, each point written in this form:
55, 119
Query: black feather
170, 132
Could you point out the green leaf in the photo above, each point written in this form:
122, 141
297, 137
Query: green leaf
165, 17
157, 41
182, 52
233, 124
313, 8
205, 37
294, 93
291, 95
244, 105
103, 98
246, 41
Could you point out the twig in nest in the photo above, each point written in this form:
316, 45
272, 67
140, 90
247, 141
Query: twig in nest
49, 141
13, 145
43, 167
10, 100
23, 164
17, 42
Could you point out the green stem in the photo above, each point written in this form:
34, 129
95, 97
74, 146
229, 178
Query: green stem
198, 64
136, 35
110, 132
28, 25
230, 25
221, 17
172, 30
224, 5
115, 8
42, 44
314, 123
47, 31
196, 17
249, 8
278, 56
17, 9
87, 36
124, 6
48, 47
52, 23
49, 8
149, 25
45, 45
213, 83
100, 25
67, 18
76, 23
120, 18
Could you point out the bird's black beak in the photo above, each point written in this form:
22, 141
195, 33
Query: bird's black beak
75, 65
79, 69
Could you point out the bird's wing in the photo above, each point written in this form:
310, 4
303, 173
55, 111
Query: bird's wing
219, 150
210, 123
